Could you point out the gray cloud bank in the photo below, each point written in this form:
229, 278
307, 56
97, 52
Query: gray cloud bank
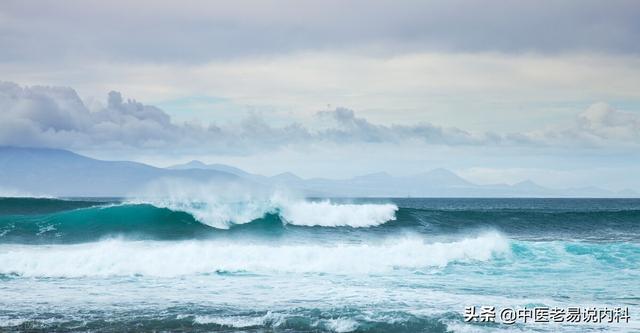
57, 117
197, 31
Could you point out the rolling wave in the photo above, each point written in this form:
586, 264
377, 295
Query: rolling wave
77, 221
67, 221
223, 214
209, 259
404, 254
94, 223
167, 259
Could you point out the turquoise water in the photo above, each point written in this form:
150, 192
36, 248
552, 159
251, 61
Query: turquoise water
315, 265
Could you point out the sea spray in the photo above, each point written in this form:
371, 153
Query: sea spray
117, 257
328, 214
224, 206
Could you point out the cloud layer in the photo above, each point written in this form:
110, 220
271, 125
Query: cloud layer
199, 31
57, 117
484, 65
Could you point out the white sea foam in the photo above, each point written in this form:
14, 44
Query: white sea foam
341, 325
230, 321
328, 214
221, 207
6, 321
269, 319
128, 258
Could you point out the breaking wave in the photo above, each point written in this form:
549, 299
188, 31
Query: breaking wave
62, 221
167, 259
223, 214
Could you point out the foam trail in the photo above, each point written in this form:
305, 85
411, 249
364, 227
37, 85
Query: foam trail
122, 258
269, 319
338, 325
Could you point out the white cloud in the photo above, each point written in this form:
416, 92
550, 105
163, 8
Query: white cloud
481, 69
606, 123
599, 125
482, 92
57, 117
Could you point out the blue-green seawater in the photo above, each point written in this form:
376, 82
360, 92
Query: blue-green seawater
366, 265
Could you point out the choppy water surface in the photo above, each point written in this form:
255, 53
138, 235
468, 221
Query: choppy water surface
282, 265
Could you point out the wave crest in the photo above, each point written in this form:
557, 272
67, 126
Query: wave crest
222, 213
126, 258
328, 214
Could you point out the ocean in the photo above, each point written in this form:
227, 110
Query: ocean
314, 265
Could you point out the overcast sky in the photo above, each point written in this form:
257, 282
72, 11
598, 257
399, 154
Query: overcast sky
498, 91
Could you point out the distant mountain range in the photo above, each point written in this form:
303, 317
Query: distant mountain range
56, 172
434, 183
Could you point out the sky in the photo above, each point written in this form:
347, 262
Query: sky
497, 91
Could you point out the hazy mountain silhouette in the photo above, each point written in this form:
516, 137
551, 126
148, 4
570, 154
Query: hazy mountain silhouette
63, 173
